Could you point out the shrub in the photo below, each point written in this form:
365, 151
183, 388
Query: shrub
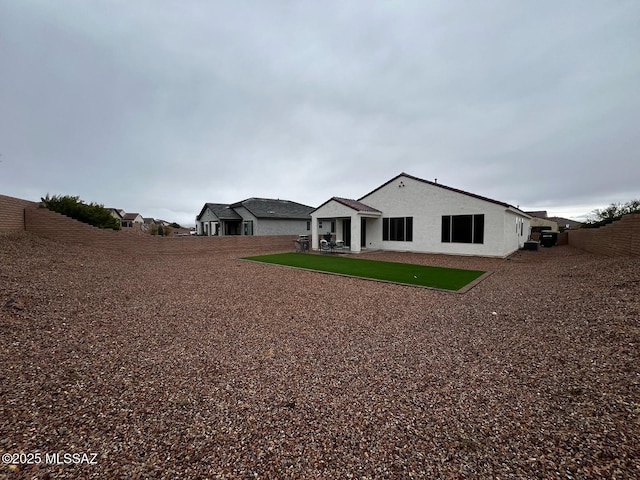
92, 213
613, 212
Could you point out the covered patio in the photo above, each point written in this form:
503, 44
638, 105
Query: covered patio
345, 220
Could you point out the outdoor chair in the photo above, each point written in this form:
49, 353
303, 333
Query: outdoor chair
324, 246
339, 247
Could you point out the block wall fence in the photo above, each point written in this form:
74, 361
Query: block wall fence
21, 215
618, 238
12, 213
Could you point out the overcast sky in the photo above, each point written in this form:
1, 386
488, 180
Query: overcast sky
158, 106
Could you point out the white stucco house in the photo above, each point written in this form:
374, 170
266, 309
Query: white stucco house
254, 216
411, 214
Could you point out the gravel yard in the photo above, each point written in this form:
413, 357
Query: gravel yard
206, 366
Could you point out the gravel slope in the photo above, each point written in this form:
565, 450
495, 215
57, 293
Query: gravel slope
212, 367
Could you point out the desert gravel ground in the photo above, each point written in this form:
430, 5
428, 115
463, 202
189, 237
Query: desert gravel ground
206, 366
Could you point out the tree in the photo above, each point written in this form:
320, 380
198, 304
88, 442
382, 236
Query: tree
71, 206
613, 212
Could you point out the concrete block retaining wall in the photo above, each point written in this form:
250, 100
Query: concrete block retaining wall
21, 215
618, 238
12, 213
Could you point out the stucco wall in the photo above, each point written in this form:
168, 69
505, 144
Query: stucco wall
516, 231
204, 224
267, 226
407, 197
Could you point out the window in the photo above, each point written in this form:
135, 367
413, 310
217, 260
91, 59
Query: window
398, 229
308, 225
248, 227
463, 228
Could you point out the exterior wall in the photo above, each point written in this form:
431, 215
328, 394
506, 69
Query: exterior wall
208, 218
617, 238
247, 216
407, 197
261, 226
331, 211
335, 211
12, 213
543, 222
266, 226
52, 225
117, 216
516, 231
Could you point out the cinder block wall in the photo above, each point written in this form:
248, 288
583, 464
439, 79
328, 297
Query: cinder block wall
48, 224
12, 213
617, 238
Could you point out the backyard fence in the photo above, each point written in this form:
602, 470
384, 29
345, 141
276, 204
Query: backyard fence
21, 215
618, 238
621, 237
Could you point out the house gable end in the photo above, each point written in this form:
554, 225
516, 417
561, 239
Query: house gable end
451, 189
220, 211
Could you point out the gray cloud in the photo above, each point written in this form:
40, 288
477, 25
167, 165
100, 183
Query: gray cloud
161, 106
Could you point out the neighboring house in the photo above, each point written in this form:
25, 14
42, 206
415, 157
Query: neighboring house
129, 219
411, 214
149, 224
254, 216
117, 214
540, 222
566, 223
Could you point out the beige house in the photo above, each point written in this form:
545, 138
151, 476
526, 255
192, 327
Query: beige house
117, 214
129, 219
540, 222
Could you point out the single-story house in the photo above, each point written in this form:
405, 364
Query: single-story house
117, 213
540, 221
411, 214
129, 219
566, 223
254, 216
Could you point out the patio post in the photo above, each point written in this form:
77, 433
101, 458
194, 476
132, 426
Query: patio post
355, 234
315, 242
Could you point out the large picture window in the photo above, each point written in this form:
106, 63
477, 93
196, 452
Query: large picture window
463, 228
398, 229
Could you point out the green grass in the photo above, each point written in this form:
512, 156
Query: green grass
436, 277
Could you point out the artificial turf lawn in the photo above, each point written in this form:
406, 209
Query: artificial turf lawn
436, 277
